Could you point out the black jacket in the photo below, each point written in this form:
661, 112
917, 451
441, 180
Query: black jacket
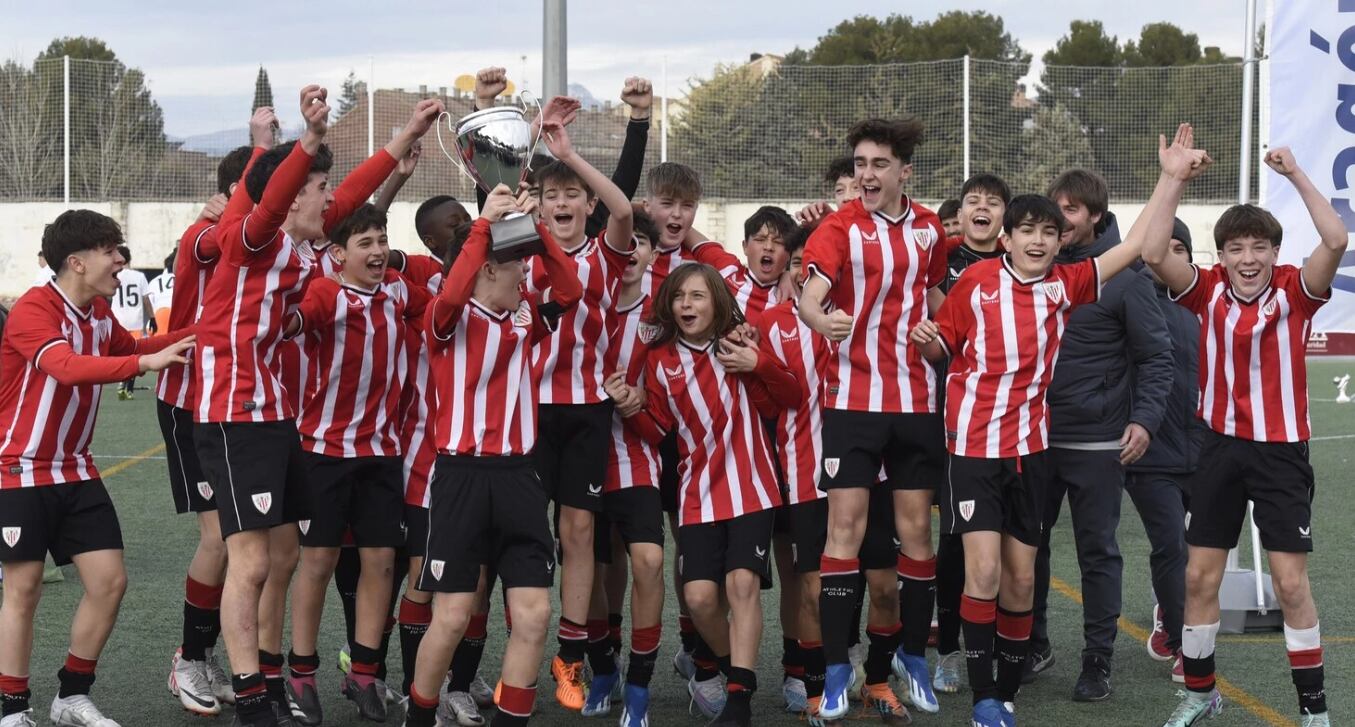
1176, 446
1090, 398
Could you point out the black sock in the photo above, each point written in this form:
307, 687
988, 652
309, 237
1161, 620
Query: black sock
346, 573
1012, 646
417, 716
949, 586
687, 633
814, 668
1312, 692
271, 666
837, 600
614, 621
879, 653
640, 670
251, 697
725, 665
504, 719
200, 629
1199, 673
302, 666
979, 621
465, 663
917, 600
707, 666
411, 635
73, 683
739, 696
14, 703
792, 663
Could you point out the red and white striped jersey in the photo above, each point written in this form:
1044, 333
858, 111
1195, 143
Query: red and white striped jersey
55, 357
799, 430
1002, 334
487, 387
879, 271
753, 297
570, 361
354, 341
1253, 375
631, 461
258, 282
724, 460
418, 400
193, 266
665, 262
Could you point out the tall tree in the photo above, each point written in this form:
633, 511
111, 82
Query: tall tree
117, 129
1162, 44
1086, 44
29, 111
263, 90
351, 91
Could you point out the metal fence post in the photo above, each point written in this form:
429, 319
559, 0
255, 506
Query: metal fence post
663, 114
371, 105
66, 130
966, 116
1248, 93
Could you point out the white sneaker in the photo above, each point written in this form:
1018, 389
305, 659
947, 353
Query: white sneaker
188, 681
482, 693
78, 710
459, 708
708, 697
1316, 720
19, 719
219, 679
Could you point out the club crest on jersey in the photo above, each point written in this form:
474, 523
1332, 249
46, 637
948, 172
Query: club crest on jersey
11, 535
1269, 309
830, 465
435, 567
647, 333
523, 317
263, 502
305, 526
1053, 291
923, 238
205, 490
967, 509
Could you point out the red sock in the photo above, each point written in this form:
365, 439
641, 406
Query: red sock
13, 685
598, 630
645, 640
201, 595
686, 625
76, 665
517, 701
478, 626
419, 699
416, 614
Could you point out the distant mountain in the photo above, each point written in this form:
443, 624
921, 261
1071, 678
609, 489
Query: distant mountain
585, 97
218, 143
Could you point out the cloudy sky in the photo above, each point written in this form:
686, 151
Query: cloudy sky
201, 58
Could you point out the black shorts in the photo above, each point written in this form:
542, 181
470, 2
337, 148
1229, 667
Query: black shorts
670, 480
709, 551
638, 516
187, 484
65, 520
911, 447
365, 494
880, 546
808, 533
996, 495
256, 470
1275, 476
571, 452
416, 531
487, 511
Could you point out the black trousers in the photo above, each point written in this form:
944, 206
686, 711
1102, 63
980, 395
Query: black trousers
1161, 501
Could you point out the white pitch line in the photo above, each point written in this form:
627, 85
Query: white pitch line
120, 456
1331, 437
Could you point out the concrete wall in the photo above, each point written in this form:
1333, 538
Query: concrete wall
153, 228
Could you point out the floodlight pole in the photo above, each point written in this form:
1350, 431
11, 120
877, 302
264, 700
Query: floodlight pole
1248, 102
554, 71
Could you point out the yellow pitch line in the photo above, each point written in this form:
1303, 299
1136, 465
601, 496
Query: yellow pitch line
135, 459
1226, 688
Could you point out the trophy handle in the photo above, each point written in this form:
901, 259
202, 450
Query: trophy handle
529, 97
455, 159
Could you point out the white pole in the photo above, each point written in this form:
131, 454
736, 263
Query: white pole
663, 114
966, 116
1248, 93
371, 105
1256, 558
66, 133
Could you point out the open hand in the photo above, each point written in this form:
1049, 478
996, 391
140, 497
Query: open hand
736, 354
1181, 159
175, 353
813, 212
405, 167
1134, 443
215, 207
924, 332
425, 114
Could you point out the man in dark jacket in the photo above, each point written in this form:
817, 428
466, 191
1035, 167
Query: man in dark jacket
1156, 483
1098, 425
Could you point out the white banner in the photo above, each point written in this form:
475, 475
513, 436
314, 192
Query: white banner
1310, 100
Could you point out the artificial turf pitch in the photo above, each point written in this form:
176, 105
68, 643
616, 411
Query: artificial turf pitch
132, 672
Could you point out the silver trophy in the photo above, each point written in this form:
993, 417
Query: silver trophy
494, 146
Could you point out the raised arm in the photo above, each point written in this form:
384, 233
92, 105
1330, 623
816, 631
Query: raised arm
620, 224
460, 282
639, 95
1319, 270
404, 169
1151, 234
262, 225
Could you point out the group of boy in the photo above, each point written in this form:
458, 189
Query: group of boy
318, 390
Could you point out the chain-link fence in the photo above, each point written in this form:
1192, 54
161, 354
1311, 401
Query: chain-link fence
92, 131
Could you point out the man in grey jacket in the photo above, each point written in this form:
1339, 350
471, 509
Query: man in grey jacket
1099, 424
1157, 482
